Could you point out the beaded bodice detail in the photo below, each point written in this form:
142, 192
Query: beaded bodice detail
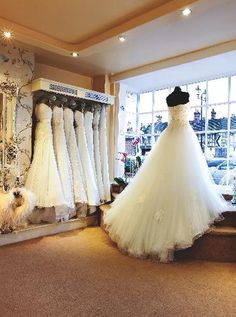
179, 114
57, 118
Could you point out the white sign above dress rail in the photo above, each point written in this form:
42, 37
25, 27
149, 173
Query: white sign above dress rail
73, 91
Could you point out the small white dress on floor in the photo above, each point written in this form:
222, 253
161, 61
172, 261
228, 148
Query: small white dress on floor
91, 187
104, 154
43, 178
171, 201
97, 154
62, 157
77, 171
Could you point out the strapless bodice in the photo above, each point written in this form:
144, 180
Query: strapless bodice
43, 112
57, 115
88, 119
79, 118
179, 114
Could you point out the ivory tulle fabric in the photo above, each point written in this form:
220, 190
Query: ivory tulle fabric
104, 154
90, 181
171, 200
43, 177
80, 195
97, 155
62, 156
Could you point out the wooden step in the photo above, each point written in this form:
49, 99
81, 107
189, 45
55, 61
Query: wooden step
103, 209
33, 231
218, 244
114, 195
228, 221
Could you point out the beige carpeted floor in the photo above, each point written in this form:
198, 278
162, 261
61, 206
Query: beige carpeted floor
81, 273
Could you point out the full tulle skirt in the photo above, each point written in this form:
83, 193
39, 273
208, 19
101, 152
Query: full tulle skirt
171, 201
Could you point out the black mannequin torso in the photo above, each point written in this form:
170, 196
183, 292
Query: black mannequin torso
177, 97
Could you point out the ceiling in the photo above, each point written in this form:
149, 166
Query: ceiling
204, 69
155, 31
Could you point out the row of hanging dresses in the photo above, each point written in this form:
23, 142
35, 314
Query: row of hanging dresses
68, 163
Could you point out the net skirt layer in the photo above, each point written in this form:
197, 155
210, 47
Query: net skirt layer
171, 201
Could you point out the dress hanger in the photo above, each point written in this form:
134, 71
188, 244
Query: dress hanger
51, 101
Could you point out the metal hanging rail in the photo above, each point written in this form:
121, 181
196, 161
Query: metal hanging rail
69, 90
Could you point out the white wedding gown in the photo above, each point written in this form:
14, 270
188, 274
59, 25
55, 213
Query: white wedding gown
88, 125
43, 178
97, 155
172, 199
62, 158
80, 195
91, 186
104, 153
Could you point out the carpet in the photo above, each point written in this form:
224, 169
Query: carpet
81, 273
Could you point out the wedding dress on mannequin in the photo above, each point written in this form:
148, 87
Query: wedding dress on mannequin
97, 155
43, 178
62, 158
172, 199
104, 154
91, 187
77, 171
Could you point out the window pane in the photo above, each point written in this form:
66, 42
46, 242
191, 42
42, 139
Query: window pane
145, 130
145, 104
129, 148
232, 157
145, 123
218, 117
160, 99
232, 144
233, 116
198, 118
233, 89
201, 140
197, 94
131, 102
131, 123
160, 122
218, 90
216, 153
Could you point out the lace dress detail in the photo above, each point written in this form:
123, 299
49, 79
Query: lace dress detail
62, 157
104, 154
172, 199
97, 155
91, 187
179, 115
77, 171
43, 177
88, 125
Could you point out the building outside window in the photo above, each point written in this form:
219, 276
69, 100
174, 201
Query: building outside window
212, 117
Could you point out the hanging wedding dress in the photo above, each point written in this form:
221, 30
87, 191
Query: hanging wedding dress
77, 171
43, 177
97, 155
172, 199
88, 125
62, 158
91, 187
104, 154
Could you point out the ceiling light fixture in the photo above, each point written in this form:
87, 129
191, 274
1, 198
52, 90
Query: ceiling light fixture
75, 54
121, 38
7, 34
186, 12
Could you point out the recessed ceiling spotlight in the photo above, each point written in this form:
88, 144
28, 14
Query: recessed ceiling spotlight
7, 34
75, 54
186, 12
121, 38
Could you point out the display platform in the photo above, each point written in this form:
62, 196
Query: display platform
40, 230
